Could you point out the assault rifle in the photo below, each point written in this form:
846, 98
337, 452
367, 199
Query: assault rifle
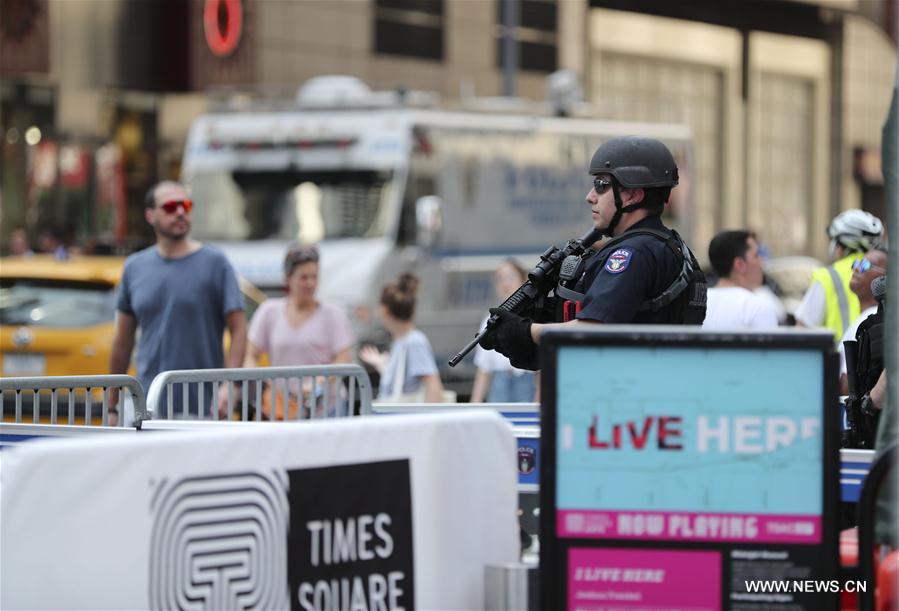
555, 264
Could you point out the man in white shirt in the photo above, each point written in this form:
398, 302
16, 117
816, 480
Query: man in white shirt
864, 272
732, 304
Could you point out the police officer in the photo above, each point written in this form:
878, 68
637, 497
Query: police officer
644, 274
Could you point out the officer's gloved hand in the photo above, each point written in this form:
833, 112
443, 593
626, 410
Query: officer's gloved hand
511, 336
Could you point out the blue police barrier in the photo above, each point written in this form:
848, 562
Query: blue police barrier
854, 467
524, 418
518, 414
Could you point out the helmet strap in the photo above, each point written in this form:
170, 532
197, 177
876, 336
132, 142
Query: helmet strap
620, 209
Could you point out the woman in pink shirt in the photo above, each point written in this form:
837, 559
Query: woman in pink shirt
298, 329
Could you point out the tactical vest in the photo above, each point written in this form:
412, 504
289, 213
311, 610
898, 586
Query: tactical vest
870, 350
683, 302
869, 363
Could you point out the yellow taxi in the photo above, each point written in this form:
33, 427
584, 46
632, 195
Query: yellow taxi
56, 317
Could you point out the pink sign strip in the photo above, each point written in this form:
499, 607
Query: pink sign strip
688, 526
657, 580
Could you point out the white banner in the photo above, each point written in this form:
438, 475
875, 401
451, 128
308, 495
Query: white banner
358, 514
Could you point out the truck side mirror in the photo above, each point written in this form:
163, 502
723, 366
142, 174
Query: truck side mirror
428, 220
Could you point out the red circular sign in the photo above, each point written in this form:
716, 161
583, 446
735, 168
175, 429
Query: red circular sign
223, 36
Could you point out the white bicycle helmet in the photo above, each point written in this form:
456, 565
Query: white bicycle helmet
855, 230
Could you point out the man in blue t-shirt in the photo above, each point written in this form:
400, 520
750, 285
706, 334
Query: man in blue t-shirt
182, 294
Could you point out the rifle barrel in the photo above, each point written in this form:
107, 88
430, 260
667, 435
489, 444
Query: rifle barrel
464, 351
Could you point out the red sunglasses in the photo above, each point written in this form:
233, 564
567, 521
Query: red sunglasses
171, 207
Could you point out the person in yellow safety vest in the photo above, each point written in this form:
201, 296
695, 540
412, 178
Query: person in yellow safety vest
829, 302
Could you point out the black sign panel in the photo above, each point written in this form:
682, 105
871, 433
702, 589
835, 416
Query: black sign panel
687, 469
350, 539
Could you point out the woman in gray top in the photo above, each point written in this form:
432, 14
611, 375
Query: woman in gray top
408, 372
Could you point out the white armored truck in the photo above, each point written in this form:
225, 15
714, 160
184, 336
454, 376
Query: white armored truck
386, 182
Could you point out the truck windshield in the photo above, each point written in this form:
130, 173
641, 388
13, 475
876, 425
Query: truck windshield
290, 205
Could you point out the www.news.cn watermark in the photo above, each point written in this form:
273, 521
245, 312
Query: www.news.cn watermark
805, 586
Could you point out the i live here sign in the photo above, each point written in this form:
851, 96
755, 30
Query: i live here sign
670, 461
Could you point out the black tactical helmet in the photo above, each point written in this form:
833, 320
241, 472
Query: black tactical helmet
635, 162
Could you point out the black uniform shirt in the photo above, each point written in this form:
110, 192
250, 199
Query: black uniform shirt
618, 280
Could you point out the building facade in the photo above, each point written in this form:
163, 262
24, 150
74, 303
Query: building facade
785, 98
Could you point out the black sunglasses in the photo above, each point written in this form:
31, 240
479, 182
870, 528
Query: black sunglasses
600, 185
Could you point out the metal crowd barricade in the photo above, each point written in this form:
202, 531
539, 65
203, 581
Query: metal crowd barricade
318, 391
40, 387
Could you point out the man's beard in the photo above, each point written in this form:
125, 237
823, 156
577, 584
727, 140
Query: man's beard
173, 234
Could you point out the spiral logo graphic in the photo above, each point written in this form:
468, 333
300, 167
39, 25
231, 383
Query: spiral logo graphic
220, 542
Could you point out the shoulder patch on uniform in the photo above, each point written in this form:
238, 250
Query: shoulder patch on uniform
619, 260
